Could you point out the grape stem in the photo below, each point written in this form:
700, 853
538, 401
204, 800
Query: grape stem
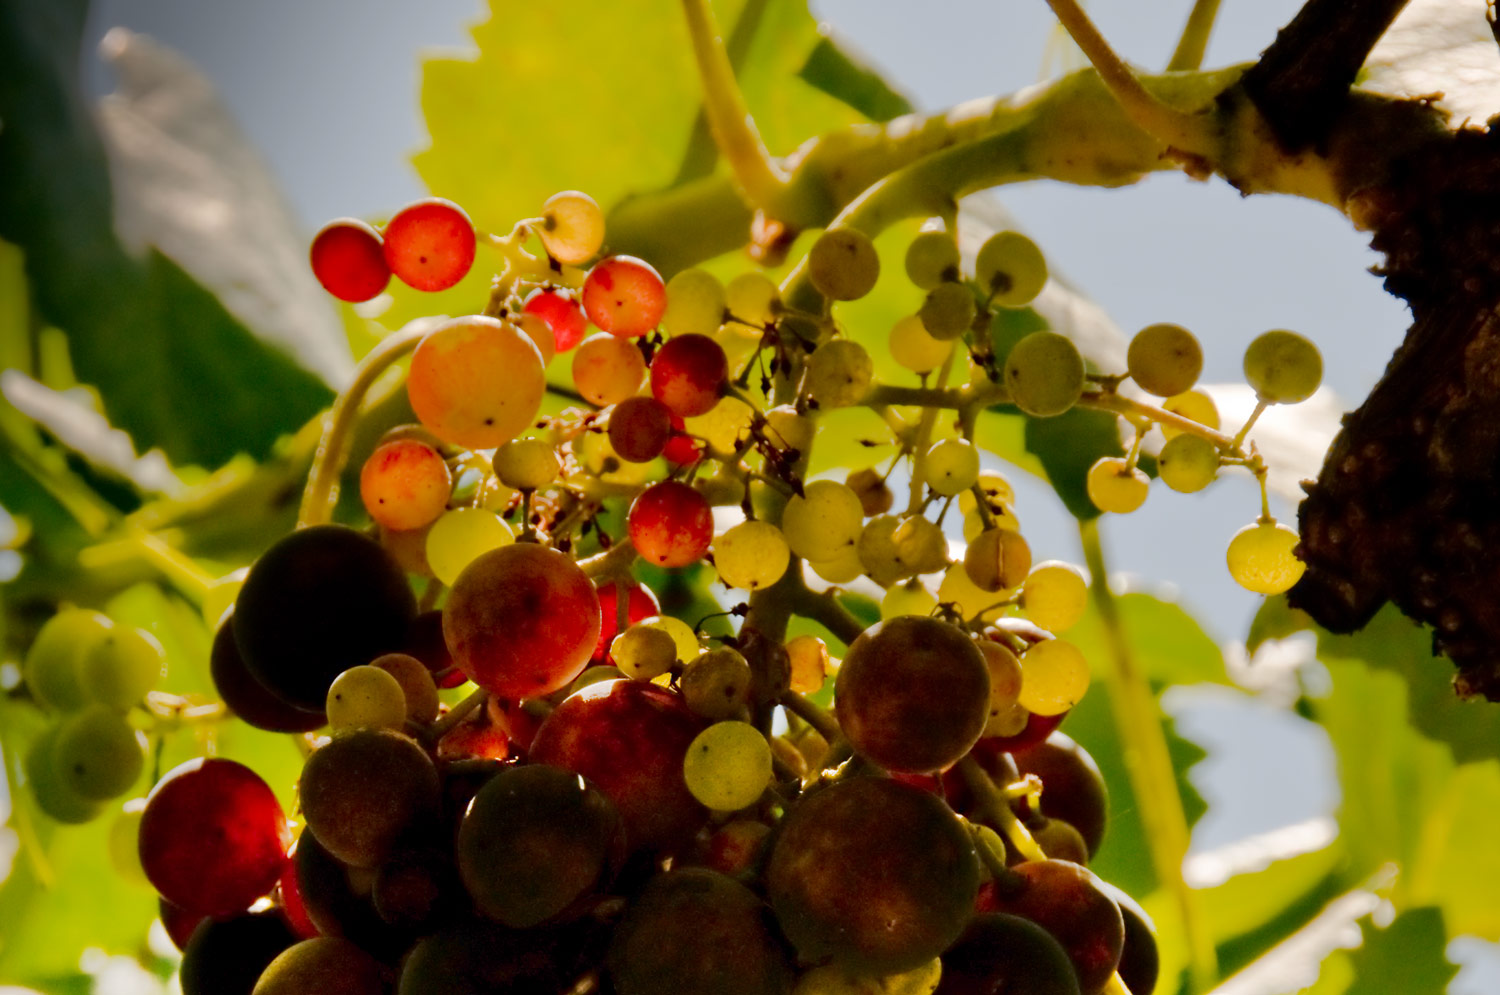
189, 579
996, 810
813, 714
1148, 762
614, 562
456, 714
822, 607
923, 440
1194, 40
321, 494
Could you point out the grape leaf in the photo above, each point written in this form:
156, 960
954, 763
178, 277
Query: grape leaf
1170, 646
1404, 958
1067, 445
833, 68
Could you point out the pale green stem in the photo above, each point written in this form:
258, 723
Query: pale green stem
613, 563
1149, 764
1239, 437
1194, 40
809, 712
996, 809
190, 580
923, 441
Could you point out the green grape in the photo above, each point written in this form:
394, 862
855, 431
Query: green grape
840, 568
696, 302
998, 560
572, 227
948, 311
753, 301
53, 794
972, 600
1164, 360
1054, 677
878, 551
823, 521
54, 664
725, 426
121, 666
952, 466
751, 555
459, 536
417, 685
1194, 405
1261, 558
1010, 269
526, 464
1188, 463
1044, 374
683, 636
728, 766
366, 696
716, 685
914, 348
830, 979
932, 259
1114, 485
643, 652
789, 429
1055, 595
98, 755
910, 598
843, 264
1283, 367
124, 843
839, 374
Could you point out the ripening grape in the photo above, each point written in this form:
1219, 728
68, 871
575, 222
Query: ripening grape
1194, 405
1164, 359
365, 696
1006, 953
1010, 269
670, 524
418, 690
823, 521
728, 766
725, 426
639, 428
839, 373
405, 484
716, 685
329, 965
696, 302
363, 790
1283, 367
931, 259
682, 449
459, 536
1065, 900
526, 464
1055, 676
1114, 485
874, 493
1006, 678
689, 374
948, 311
753, 302
972, 600
624, 295
348, 258
914, 348
1262, 558
751, 555
640, 603
476, 381
1044, 374
683, 636
788, 428
1074, 789
810, 663
539, 332
53, 667
843, 264
560, 311
910, 598
1054, 595
607, 369
429, 245
121, 666
642, 652
997, 560
952, 466
1188, 463
53, 794
572, 227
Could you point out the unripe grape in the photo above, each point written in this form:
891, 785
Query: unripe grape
405, 484
823, 520
683, 636
725, 426
952, 466
366, 696
728, 766
122, 665
642, 652
608, 369
459, 536
1194, 405
54, 663
948, 311
932, 259
716, 685
998, 560
915, 348
98, 755
789, 428
1055, 676
1261, 558
839, 373
843, 264
840, 568
751, 555
1188, 463
1114, 485
696, 302
1283, 367
54, 795
753, 302
1055, 595
526, 464
1164, 359
1010, 269
572, 227
1044, 374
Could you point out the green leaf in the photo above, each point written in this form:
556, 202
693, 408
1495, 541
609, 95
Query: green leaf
1067, 445
1405, 958
832, 69
1276, 619
1170, 647
175, 370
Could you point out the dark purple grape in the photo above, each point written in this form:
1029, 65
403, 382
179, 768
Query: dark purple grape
1000, 954
1067, 901
364, 790
227, 956
1140, 961
328, 965
1073, 790
335, 907
247, 697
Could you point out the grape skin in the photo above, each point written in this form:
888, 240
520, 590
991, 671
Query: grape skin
1283, 367
1261, 558
476, 381
728, 766
843, 264
1164, 359
751, 555
1044, 374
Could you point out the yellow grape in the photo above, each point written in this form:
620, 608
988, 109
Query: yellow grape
366, 697
751, 555
831, 979
1054, 677
910, 598
1261, 559
1044, 374
839, 373
526, 464
1055, 595
952, 466
459, 536
1164, 359
1194, 405
1187, 463
728, 766
753, 302
1115, 486
1010, 269
1283, 367
997, 560
695, 304
572, 227
841, 568
809, 662
843, 264
608, 368
823, 520
725, 426
683, 636
932, 258
972, 600
914, 348
643, 652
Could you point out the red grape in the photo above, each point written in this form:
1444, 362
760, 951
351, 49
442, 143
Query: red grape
624, 296
429, 245
562, 313
640, 604
689, 375
293, 908
682, 450
476, 381
639, 428
213, 837
405, 484
348, 259
178, 921
670, 524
